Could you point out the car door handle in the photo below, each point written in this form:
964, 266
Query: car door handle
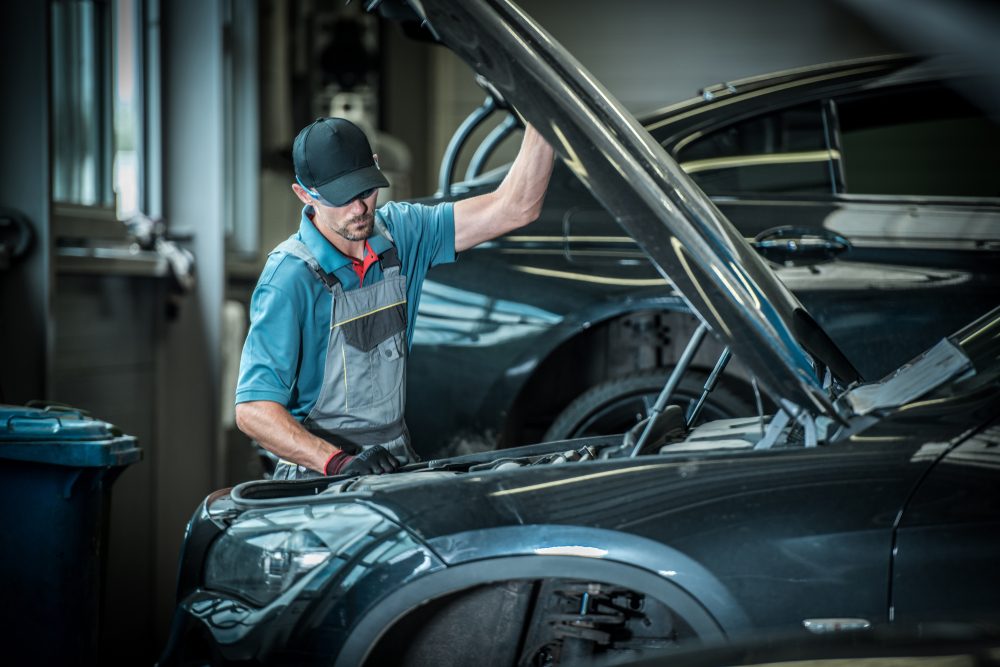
799, 246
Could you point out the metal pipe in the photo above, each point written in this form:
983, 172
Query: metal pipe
467, 127
675, 377
492, 140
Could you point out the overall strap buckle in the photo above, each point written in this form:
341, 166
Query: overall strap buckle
327, 279
389, 258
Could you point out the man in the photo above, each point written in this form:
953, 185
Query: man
322, 376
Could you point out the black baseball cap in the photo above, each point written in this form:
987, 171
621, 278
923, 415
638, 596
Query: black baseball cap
332, 156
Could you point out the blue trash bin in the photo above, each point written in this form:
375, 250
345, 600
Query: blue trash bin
57, 466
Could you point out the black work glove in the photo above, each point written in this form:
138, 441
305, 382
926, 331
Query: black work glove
372, 461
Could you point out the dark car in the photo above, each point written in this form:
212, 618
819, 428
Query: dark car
872, 184
854, 505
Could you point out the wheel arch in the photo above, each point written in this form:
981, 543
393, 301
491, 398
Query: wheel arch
579, 356
379, 622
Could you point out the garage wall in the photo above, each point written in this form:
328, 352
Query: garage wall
649, 52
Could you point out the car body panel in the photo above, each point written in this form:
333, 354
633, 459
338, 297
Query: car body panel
953, 517
759, 539
822, 519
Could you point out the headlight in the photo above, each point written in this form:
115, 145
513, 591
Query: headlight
264, 552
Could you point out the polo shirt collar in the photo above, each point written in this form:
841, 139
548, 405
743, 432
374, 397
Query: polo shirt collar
378, 242
329, 258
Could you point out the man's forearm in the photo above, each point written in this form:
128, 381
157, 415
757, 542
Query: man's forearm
516, 202
271, 425
523, 188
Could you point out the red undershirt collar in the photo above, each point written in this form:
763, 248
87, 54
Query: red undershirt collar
361, 266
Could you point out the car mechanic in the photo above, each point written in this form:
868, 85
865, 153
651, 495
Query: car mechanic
322, 379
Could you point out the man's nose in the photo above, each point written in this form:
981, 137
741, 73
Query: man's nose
358, 206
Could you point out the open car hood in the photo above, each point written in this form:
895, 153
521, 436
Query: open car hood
691, 243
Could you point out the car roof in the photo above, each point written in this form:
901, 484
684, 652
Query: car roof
790, 82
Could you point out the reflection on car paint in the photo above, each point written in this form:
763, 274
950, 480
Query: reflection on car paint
590, 277
473, 319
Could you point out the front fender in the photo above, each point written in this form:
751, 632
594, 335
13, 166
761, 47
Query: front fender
597, 545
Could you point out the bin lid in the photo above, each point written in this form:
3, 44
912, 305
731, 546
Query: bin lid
64, 436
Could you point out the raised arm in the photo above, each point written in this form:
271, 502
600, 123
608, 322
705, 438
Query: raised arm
515, 203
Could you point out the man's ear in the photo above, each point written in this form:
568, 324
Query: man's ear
300, 192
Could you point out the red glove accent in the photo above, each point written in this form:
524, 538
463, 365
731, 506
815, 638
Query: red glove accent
336, 462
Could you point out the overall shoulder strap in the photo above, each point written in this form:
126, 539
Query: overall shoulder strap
298, 249
388, 258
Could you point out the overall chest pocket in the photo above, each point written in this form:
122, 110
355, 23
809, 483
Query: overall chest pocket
368, 331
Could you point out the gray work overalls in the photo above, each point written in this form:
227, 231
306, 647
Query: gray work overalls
361, 400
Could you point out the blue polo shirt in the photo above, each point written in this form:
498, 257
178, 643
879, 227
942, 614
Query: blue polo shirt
285, 351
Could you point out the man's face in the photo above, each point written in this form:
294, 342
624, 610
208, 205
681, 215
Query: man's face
354, 221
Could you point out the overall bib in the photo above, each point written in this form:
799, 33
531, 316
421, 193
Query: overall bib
363, 394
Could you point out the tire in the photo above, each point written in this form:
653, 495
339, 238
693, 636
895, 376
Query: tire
616, 405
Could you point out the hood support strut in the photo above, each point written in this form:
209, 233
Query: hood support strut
710, 383
675, 377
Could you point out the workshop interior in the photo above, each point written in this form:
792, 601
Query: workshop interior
733, 398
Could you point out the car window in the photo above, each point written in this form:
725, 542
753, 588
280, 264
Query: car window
779, 152
927, 141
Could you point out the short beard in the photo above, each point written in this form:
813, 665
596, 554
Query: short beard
367, 218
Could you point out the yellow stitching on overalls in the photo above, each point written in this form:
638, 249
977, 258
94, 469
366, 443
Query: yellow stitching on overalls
391, 305
343, 356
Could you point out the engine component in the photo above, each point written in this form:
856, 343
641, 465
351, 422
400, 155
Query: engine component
575, 621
